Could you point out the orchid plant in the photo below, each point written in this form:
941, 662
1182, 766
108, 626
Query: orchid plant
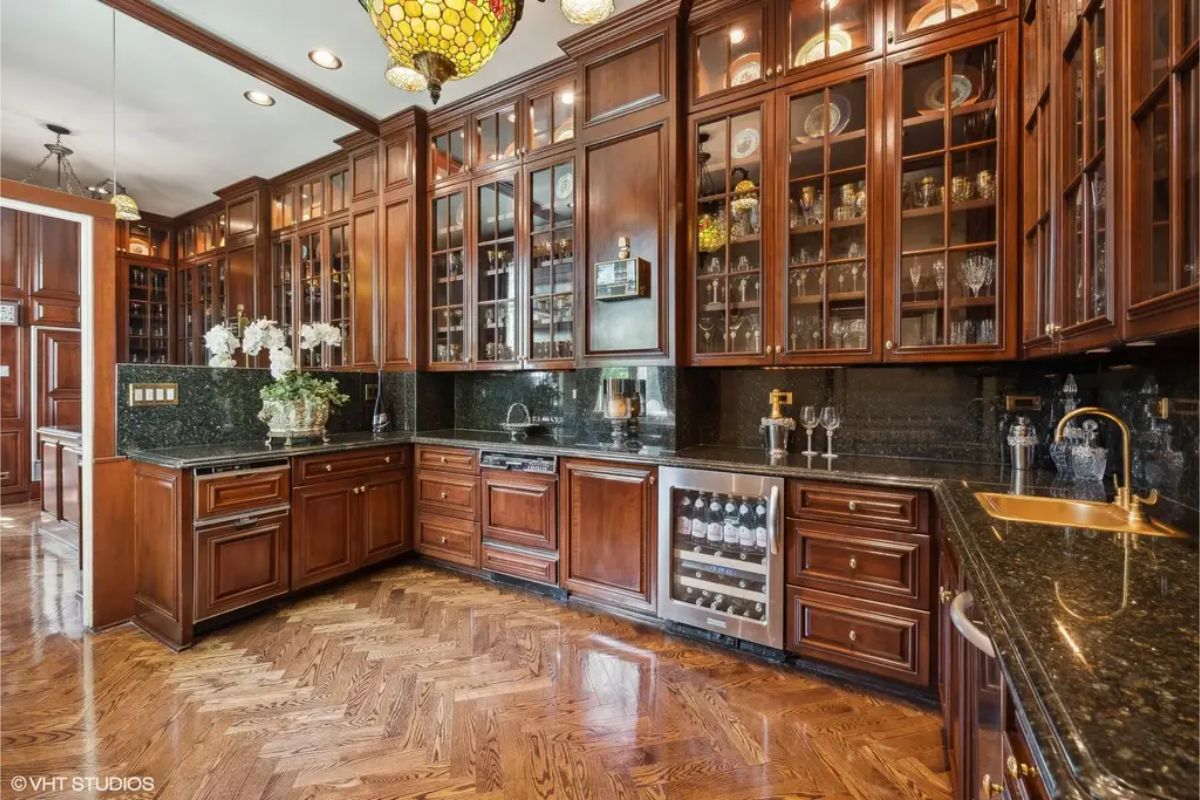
265, 334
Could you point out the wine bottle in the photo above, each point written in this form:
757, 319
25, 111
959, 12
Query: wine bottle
745, 527
699, 518
716, 522
379, 418
729, 528
683, 518
760, 528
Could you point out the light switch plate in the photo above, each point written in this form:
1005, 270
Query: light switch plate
153, 394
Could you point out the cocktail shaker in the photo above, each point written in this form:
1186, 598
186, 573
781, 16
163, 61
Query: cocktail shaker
1022, 439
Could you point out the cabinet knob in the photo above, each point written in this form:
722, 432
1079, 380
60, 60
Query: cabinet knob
1053, 328
329, 467
991, 789
853, 562
442, 540
853, 506
443, 458
853, 635
779, 68
770, 71
387, 459
1017, 769
891, 37
889, 344
443, 495
944, 594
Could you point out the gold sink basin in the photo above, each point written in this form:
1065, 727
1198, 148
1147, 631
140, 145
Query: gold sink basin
1071, 513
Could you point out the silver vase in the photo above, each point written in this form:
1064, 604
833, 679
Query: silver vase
295, 419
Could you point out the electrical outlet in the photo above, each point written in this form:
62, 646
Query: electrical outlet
153, 394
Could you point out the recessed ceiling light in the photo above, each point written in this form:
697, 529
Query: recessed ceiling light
259, 98
737, 35
324, 59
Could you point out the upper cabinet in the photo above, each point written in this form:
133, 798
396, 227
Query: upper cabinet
951, 262
918, 21
756, 45
1163, 126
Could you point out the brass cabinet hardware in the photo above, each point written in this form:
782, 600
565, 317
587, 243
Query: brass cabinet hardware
1019, 769
853, 562
853, 635
944, 594
443, 540
770, 71
779, 68
991, 789
888, 345
444, 495
387, 459
329, 467
443, 459
853, 506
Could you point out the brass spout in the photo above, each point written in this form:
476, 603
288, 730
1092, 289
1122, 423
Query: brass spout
1125, 498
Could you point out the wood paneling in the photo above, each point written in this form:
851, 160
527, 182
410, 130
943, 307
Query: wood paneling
447, 459
312, 469
386, 515
448, 494
71, 485
51, 483
324, 528
10, 245
398, 285
887, 566
14, 417
609, 537
363, 173
542, 568
448, 539
60, 378
364, 233
53, 246
162, 553
627, 80
226, 494
240, 563
520, 508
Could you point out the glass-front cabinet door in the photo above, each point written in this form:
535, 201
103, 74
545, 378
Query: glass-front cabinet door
1086, 290
340, 313
282, 269
1040, 292
1164, 102
952, 276
185, 309
447, 154
496, 320
496, 136
551, 278
148, 332
726, 290
917, 18
730, 53
311, 275
447, 282
832, 211
819, 32
551, 117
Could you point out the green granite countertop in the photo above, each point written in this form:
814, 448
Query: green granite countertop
1098, 634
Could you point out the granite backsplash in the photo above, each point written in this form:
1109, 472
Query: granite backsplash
943, 412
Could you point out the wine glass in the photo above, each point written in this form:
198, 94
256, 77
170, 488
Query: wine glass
830, 421
809, 419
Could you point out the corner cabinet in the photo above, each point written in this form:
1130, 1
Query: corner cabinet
951, 271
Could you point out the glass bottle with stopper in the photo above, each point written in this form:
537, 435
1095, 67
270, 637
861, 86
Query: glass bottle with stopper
777, 429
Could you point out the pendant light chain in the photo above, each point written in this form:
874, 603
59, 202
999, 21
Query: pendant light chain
126, 206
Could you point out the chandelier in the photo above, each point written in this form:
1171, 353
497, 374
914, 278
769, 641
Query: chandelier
434, 41
66, 181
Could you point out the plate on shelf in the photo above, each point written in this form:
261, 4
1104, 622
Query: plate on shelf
935, 13
839, 117
745, 143
814, 49
564, 186
745, 69
964, 88
138, 247
565, 130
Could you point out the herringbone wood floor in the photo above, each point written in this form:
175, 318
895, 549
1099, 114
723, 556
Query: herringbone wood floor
414, 682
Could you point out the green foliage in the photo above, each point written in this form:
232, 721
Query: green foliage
296, 385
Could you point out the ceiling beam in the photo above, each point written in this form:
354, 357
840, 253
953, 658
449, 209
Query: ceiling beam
179, 28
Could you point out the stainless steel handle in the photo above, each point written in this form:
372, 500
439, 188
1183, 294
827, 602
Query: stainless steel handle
969, 630
772, 520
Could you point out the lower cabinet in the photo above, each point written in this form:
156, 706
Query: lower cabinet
326, 527
609, 532
386, 509
448, 538
239, 563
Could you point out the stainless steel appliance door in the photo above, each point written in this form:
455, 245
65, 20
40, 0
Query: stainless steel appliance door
732, 589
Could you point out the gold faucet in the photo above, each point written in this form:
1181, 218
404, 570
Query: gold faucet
1125, 498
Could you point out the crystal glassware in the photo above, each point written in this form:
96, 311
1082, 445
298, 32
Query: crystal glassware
1089, 459
830, 421
810, 420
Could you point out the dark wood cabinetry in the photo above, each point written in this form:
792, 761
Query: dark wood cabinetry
240, 563
520, 508
859, 571
447, 504
609, 535
324, 542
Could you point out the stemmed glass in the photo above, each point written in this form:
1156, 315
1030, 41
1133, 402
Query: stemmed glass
808, 418
830, 421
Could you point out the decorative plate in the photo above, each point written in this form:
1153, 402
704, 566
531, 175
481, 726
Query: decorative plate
138, 247
745, 143
564, 186
964, 88
839, 117
745, 69
814, 49
934, 13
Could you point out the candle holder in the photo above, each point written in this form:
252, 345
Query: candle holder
623, 408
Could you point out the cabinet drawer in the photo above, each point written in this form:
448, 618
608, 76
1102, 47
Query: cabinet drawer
543, 569
520, 508
227, 494
240, 563
448, 495
310, 469
449, 539
448, 459
874, 637
887, 566
851, 504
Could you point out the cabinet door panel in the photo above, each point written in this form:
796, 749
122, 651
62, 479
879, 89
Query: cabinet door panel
874, 565
520, 509
325, 519
386, 513
609, 532
239, 564
454, 540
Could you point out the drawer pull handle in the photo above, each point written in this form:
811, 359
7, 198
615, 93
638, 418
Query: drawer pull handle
444, 495
853, 562
443, 459
853, 635
1020, 769
246, 522
853, 506
443, 540
329, 467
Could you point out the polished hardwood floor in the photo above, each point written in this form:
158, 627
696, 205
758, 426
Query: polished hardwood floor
415, 682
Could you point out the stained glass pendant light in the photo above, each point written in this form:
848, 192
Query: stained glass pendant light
126, 207
443, 40
405, 78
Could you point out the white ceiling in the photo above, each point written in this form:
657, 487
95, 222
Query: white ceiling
183, 127
284, 31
